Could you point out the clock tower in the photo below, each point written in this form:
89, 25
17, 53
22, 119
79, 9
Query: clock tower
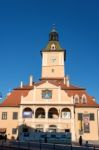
53, 57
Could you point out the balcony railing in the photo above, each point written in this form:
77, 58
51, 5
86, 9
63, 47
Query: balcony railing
46, 120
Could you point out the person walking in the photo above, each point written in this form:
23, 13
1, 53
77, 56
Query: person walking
45, 138
5, 137
80, 140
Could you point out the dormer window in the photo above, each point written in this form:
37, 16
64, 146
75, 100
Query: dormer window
53, 47
84, 99
76, 99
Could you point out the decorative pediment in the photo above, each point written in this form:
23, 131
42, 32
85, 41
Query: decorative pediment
47, 85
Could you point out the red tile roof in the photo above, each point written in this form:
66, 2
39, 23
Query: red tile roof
25, 87
59, 83
14, 98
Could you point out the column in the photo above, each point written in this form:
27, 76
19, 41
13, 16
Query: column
59, 112
46, 112
73, 124
20, 115
34, 113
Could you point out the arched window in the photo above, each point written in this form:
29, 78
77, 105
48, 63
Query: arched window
84, 99
40, 113
76, 99
53, 113
53, 47
27, 113
66, 113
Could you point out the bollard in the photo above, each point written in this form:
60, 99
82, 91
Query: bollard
18, 144
54, 147
28, 145
40, 145
2, 143
71, 147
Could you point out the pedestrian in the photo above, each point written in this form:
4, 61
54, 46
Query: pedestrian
80, 140
5, 137
45, 139
86, 144
17, 138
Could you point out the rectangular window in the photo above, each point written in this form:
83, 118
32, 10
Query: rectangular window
15, 115
4, 115
92, 117
86, 127
14, 130
79, 116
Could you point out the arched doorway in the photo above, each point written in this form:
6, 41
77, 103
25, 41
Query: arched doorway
39, 128
53, 113
52, 128
40, 113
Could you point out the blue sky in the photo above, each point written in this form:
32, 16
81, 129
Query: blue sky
24, 29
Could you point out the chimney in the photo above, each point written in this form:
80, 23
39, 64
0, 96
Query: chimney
64, 80
9, 92
67, 79
21, 84
31, 80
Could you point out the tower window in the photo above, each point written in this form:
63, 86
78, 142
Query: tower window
53, 70
53, 47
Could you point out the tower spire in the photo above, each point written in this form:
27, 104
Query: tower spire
53, 28
53, 35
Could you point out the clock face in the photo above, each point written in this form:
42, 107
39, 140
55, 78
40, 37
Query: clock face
53, 59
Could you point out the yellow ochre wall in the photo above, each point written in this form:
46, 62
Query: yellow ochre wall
94, 128
9, 123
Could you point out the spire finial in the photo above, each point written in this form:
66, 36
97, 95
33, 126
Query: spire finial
53, 28
53, 25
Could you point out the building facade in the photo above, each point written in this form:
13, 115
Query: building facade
52, 104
